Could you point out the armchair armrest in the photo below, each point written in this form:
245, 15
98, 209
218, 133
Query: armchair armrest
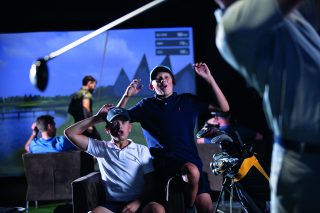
87, 192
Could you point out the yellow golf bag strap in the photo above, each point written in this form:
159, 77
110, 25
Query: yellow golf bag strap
246, 166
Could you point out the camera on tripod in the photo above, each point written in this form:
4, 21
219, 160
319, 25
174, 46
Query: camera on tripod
233, 151
222, 163
234, 163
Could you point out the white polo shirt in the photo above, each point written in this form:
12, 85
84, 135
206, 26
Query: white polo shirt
122, 170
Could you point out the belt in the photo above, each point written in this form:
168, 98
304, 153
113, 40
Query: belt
301, 147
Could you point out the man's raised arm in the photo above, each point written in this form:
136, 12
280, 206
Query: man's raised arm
133, 89
74, 132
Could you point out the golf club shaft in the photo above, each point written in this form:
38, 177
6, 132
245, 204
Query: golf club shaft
102, 29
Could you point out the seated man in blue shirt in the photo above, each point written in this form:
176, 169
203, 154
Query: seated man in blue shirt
48, 142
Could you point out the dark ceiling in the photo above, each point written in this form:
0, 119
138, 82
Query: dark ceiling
36, 15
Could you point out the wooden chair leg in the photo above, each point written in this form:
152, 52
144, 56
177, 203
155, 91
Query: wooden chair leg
27, 206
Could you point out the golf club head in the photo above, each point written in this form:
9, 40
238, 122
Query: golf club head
39, 74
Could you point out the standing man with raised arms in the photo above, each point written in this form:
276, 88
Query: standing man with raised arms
168, 121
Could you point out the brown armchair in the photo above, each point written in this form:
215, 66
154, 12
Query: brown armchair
87, 192
49, 175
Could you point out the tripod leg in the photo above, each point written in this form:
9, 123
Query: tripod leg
231, 194
248, 200
220, 196
232, 185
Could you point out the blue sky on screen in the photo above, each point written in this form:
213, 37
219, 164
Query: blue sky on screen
124, 49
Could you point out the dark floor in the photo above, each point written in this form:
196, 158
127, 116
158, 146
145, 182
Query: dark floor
13, 192
224, 207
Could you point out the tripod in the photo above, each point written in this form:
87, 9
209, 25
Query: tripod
234, 162
232, 177
232, 188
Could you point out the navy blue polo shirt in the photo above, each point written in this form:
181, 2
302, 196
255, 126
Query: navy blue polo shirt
169, 124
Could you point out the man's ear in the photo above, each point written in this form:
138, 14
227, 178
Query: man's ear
151, 87
50, 126
130, 127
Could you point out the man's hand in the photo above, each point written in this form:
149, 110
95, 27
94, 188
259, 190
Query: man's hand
32, 136
202, 70
35, 129
134, 88
131, 207
103, 111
